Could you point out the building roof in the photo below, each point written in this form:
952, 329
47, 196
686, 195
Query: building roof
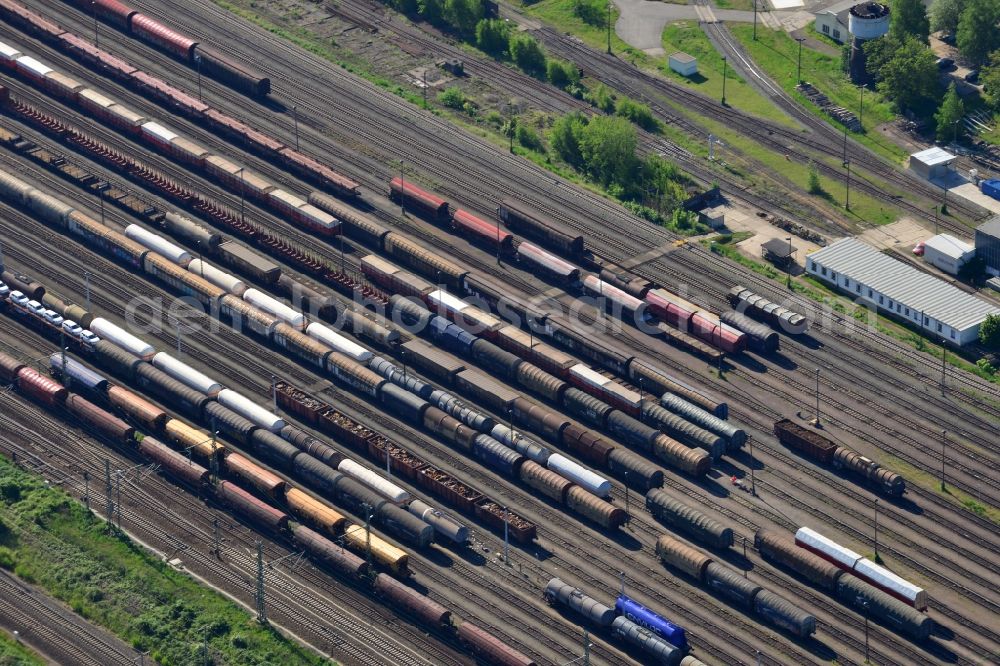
903, 283
779, 247
933, 156
683, 58
990, 227
949, 246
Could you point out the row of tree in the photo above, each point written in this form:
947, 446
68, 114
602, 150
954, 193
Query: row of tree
972, 22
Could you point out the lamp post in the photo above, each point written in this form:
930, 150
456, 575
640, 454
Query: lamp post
816, 421
295, 119
788, 274
609, 27
798, 69
861, 108
725, 65
755, 20
944, 441
242, 188
847, 200
955, 137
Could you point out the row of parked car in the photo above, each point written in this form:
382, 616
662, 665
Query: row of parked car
68, 326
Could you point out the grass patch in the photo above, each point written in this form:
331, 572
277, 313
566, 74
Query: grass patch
49, 539
746, 5
864, 208
559, 14
994, 135
776, 52
687, 36
932, 482
725, 245
13, 653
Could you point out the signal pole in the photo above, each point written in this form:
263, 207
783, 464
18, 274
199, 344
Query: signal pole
816, 422
110, 506
261, 607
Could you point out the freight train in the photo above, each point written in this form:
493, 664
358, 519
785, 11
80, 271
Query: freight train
199, 56
639, 300
165, 140
653, 645
871, 572
510, 353
824, 450
781, 548
749, 302
736, 589
176, 100
259, 513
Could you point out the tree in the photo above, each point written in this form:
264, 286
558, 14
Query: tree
977, 34
637, 113
878, 52
492, 36
591, 12
463, 15
603, 98
527, 54
989, 331
431, 10
566, 135
452, 97
408, 7
562, 74
909, 77
908, 18
608, 149
951, 111
990, 78
945, 14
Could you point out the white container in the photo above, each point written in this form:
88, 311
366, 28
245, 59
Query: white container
443, 300
8, 54
218, 277
32, 66
158, 244
826, 548
588, 376
275, 307
186, 375
119, 336
159, 133
580, 475
250, 410
881, 577
375, 481
338, 342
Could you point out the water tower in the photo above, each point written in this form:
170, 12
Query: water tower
865, 21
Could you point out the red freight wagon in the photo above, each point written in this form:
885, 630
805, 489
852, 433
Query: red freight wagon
157, 34
426, 202
481, 230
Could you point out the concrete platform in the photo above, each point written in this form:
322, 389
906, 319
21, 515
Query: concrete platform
958, 185
901, 235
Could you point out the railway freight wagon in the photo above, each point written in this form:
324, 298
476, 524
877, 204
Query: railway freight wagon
780, 547
824, 450
734, 588
868, 571
170, 97
621, 627
746, 301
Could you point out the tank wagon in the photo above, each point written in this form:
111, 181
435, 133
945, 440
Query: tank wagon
736, 589
659, 625
868, 571
824, 450
760, 337
746, 301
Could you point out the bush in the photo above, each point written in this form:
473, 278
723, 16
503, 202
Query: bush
989, 331
463, 15
637, 113
591, 12
528, 138
492, 36
452, 97
563, 74
527, 54
815, 187
603, 98
565, 138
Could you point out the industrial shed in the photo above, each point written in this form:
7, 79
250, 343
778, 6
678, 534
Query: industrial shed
932, 163
947, 253
988, 244
899, 289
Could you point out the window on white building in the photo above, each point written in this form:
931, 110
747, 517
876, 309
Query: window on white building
826, 29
